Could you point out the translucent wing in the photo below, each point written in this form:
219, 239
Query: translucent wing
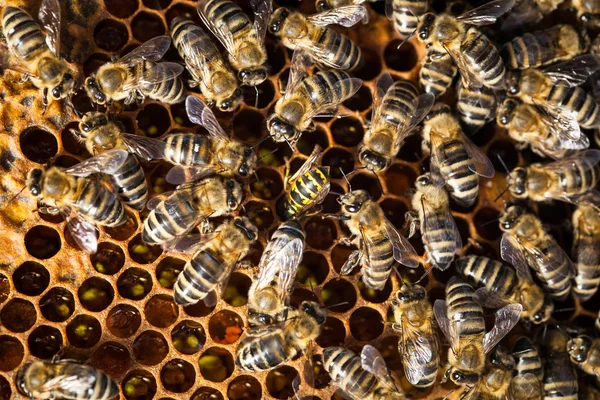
561, 123
489, 299
488, 13
389, 9
437, 157
525, 14
308, 164
282, 258
74, 384
383, 84
417, 351
354, 83
346, 16
108, 162
258, 331
467, 75
179, 175
49, 16
560, 376
420, 108
144, 147
298, 70
325, 53
573, 72
83, 232
512, 252
152, 50
159, 73
483, 165
446, 226
440, 311
195, 47
262, 13
373, 362
506, 318
526, 387
218, 28
199, 113
404, 252
551, 263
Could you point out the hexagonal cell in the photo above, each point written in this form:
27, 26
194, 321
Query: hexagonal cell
121, 8
370, 66
95, 294
167, 271
375, 296
150, 348
147, 25
142, 253
188, 337
268, 185
236, 291
248, 126
4, 288
225, 327
348, 131
333, 333
360, 101
265, 92
110, 35
38, 145
109, 258
339, 255
42, 242
244, 387
216, 364
399, 178
11, 353
395, 211
153, 120
555, 212
134, 284
122, 232
320, 233
563, 310
260, 214
18, 315
280, 382
57, 305
339, 291
337, 158
44, 341
486, 223
200, 309
123, 320
84, 331
31, 278
5, 392
299, 295
401, 59
207, 393
318, 377
369, 183
139, 385
366, 324
112, 358
463, 229
272, 154
157, 4
484, 135
177, 376
313, 269
161, 311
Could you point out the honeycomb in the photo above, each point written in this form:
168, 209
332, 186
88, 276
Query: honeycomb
114, 309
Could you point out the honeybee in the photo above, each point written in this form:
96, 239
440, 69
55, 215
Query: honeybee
586, 236
197, 156
547, 135
83, 202
560, 375
214, 261
305, 189
187, 206
326, 47
455, 161
588, 11
528, 372
324, 5
437, 72
138, 75
493, 384
364, 377
64, 379
585, 353
463, 325
432, 216
37, 54
475, 56
102, 133
476, 106
306, 98
377, 240
526, 244
266, 347
556, 90
397, 110
406, 15
418, 342
565, 179
209, 72
269, 295
244, 41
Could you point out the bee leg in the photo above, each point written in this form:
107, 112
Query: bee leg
345, 241
24, 78
351, 262
286, 173
281, 84
45, 100
206, 227
311, 127
245, 264
412, 218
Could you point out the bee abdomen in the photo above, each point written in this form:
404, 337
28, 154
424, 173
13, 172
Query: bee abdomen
321, 88
397, 106
579, 179
492, 274
407, 14
304, 190
170, 91
555, 279
188, 149
163, 225
577, 100
229, 13
346, 370
105, 387
263, 353
187, 36
437, 75
381, 259
527, 358
130, 182
23, 34
100, 204
347, 54
485, 62
463, 310
439, 249
463, 183
198, 278
587, 278
475, 105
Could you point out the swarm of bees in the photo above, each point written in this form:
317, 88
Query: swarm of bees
541, 86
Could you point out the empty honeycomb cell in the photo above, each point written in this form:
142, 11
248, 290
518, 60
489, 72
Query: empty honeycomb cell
244, 387
370, 66
395, 211
299, 295
486, 223
280, 382
157, 4
276, 55
463, 229
236, 291
248, 126
484, 135
57, 305
225, 327
399, 179
555, 212
180, 114
360, 101
167, 271
5, 392
505, 150
443, 276
4, 288
367, 182
38, 145
388, 348
200, 309
216, 364
339, 255
134, 284
315, 374
330, 205
69, 140
84, 331
161, 311
123, 320
320, 233
31, 278
121, 8
147, 25
177, 376
333, 333
259, 96
153, 120
42, 242
259, 214
347, 131
366, 324
375, 296
268, 185
112, 358
188, 336
139, 385
340, 292
400, 59
307, 142
18, 315
91, 65
142, 253
65, 161
44, 341
109, 259
207, 393
313, 269
123, 232
563, 310
182, 10
95, 294
337, 159
411, 150
11, 353
110, 35
150, 348
272, 154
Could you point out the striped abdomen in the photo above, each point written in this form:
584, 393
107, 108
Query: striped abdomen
396, 105
436, 74
23, 34
495, 276
476, 106
289, 231
576, 99
439, 240
464, 312
188, 149
527, 359
130, 183
163, 225
95, 201
225, 12
342, 51
457, 170
483, 59
581, 178
346, 371
170, 91
262, 353
560, 378
406, 14
199, 277
304, 191
591, 365
556, 279
322, 89
377, 264
188, 39
586, 253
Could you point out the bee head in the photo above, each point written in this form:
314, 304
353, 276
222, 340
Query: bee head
93, 91
586, 18
501, 358
246, 227
34, 181
579, 348
409, 292
517, 179
513, 79
353, 201
424, 29
509, 218
372, 161
279, 16
234, 194
314, 310
230, 103
253, 77
248, 163
322, 5
504, 113
545, 312
91, 120
423, 180
461, 378
255, 318
281, 130
64, 88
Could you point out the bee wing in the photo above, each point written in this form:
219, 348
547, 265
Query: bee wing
446, 226
258, 331
561, 123
159, 73
372, 361
195, 48
418, 351
420, 108
512, 252
483, 165
179, 175
199, 113
345, 16
283, 258
73, 383
488, 13
144, 147
218, 28
49, 16
440, 311
8, 60
560, 376
108, 163
301, 60
308, 164
573, 72
506, 318
353, 82
262, 13
523, 387
525, 13
489, 299
152, 50
83, 232
325, 52
467, 75
383, 84
404, 252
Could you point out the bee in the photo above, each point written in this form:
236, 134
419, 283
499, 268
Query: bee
397, 110
269, 295
432, 216
326, 47
214, 261
364, 377
476, 106
475, 56
560, 375
84, 202
565, 179
64, 379
305, 189
547, 135
556, 90
196, 156
539, 48
406, 15
266, 347
528, 372
588, 11
217, 82
462, 322
36, 54
455, 162
418, 342
306, 98
586, 234
138, 75
243, 41
526, 244
437, 72
585, 354
103, 133
493, 384
325, 5
187, 206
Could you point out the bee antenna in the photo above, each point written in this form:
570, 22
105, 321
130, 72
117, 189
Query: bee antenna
406, 39
260, 141
379, 183
490, 221
9, 162
346, 178
336, 193
12, 198
77, 113
563, 332
256, 99
501, 195
424, 275
312, 289
343, 303
565, 309
448, 395
243, 207
268, 154
503, 163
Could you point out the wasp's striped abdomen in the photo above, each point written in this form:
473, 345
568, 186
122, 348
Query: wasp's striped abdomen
463, 310
347, 54
462, 182
476, 106
188, 149
484, 60
346, 371
576, 99
23, 34
406, 14
130, 183
492, 274
304, 191
100, 204
437, 72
